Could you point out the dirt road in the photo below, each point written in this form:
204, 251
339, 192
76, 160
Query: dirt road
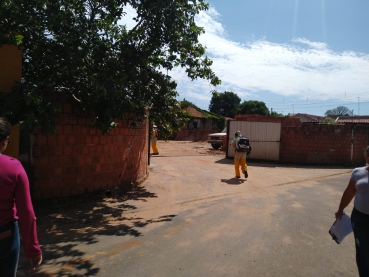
193, 218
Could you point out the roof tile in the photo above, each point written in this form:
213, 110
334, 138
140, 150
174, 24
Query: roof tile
194, 112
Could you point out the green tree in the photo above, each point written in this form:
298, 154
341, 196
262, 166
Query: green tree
339, 111
329, 120
275, 114
253, 107
185, 104
79, 49
224, 103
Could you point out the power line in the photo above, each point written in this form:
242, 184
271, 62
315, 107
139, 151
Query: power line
352, 98
358, 105
316, 105
302, 107
305, 102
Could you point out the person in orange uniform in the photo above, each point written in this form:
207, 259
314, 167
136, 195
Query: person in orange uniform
154, 139
239, 157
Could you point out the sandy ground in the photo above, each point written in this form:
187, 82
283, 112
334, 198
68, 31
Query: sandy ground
191, 209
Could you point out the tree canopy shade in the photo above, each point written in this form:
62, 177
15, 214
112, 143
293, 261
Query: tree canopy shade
339, 111
224, 103
253, 107
78, 48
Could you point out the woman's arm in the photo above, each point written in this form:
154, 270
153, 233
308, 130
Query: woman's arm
347, 196
27, 219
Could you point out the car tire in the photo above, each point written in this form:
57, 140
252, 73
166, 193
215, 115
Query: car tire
215, 146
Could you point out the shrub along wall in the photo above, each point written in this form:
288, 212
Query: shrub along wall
314, 143
82, 161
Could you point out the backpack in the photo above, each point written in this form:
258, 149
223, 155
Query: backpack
243, 145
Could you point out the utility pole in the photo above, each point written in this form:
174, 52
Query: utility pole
293, 109
358, 106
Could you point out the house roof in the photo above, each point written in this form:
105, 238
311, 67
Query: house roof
194, 112
353, 119
309, 117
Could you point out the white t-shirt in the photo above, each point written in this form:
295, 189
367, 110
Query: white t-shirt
361, 177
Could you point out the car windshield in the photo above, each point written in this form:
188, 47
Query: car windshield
225, 130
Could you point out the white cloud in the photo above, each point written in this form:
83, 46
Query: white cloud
317, 45
300, 68
208, 20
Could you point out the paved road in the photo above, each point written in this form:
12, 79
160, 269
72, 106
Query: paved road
193, 218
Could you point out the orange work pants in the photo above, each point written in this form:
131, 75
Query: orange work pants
240, 160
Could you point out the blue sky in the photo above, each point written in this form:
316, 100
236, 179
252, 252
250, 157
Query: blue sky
297, 56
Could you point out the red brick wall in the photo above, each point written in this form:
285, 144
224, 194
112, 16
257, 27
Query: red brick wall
314, 143
81, 160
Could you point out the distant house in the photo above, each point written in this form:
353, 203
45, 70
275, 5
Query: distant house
200, 121
201, 124
308, 117
353, 119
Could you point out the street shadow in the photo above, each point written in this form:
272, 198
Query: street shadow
61, 230
276, 164
225, 161
271, 164
233, 181
179, 155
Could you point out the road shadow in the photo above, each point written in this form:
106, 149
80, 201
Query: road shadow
225, 161
276, 164
62, 229
233, 181
182, 155
271, 164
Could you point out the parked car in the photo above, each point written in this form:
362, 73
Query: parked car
216, 139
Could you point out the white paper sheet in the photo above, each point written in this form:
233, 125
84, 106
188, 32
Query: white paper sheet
341, 228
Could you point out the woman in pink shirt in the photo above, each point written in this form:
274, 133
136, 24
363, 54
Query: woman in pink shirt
15, 208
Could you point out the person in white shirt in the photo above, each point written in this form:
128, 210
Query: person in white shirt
358, 188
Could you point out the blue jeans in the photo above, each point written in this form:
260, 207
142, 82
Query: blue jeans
360, 226
9, 250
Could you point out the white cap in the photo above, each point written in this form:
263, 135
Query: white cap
154, 126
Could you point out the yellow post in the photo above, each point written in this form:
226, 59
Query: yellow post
10, 72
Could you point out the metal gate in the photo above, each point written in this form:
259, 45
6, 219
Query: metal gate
264, 138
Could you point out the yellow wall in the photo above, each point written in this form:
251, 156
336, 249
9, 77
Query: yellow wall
10, 71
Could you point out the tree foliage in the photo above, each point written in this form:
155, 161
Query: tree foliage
329, 120
224, 103
185, 104
78, 48
339, 111
253, 107
275, 114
